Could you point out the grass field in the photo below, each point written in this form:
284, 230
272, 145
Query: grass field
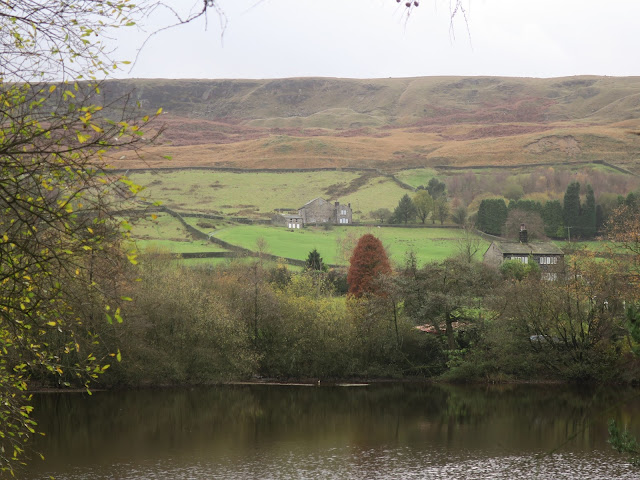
162, 227
260, 194
416, 176
335, 245
166, 234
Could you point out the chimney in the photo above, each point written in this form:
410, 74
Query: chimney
337, 203
523, 233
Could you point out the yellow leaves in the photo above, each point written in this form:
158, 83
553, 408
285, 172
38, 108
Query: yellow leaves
132, 258
154, 216
52, 324
96, 128
52, 88
83, 137
159, 111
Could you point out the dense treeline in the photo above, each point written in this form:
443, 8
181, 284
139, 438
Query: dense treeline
193, 325
532, 199
457, 319
578, 216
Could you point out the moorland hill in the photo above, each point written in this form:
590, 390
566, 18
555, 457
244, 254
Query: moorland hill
389, 123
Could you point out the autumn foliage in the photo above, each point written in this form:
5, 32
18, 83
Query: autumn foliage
369, 260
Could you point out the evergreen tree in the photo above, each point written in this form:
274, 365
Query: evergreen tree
492, 215
588, 215
405, 210
314, 261
552, 216
526, 205
601, 218
571, 208
368, 262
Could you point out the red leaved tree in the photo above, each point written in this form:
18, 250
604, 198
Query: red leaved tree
369, 260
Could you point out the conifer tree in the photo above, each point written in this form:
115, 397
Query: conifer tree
314, 261
553, 220
405, 210
571, 207
492, 215
588, 217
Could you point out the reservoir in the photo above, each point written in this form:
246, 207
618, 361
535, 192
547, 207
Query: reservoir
381, 431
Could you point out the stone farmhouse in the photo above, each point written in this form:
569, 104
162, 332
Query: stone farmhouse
546, 254
319, 211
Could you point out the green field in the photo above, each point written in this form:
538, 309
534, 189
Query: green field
416, 176
165, 233
258, 195
162, 227
335, 245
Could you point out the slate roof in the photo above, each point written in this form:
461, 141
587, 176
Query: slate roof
534, 248
311, 201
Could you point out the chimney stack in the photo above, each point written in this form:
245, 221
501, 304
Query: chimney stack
523, 233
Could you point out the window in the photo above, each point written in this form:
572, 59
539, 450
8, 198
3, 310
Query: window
524, 260
548, 260
343, 211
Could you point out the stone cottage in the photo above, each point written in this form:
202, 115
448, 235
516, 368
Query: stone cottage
546, 254
319, 211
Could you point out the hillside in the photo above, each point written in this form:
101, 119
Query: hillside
388, 123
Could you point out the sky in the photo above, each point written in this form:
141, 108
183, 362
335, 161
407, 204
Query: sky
376, 39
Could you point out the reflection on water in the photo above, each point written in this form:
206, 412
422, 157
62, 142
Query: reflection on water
376, 432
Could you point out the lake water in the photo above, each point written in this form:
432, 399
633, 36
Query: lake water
399, 431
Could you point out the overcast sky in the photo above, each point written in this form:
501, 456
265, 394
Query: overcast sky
374, 38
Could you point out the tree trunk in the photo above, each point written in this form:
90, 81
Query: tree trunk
451, 340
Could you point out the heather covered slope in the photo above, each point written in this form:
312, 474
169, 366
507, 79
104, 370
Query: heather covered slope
390, 123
